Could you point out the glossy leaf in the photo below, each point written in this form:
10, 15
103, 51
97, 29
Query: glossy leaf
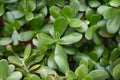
74, 23
15, 76
94, 3
60, 26
17, 14
116, 72
29, 16
113, 24
5, 41
14, 60
55, 11
67, 12
115, 3
71, 38
10, 17
101, 75
15, 37
32, 77
71, 75
27, 51
81, 72
26, 36
3, 69
43, 38
90, 32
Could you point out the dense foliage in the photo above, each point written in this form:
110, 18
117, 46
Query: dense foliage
59, 40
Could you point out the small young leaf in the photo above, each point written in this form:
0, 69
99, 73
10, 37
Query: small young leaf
71, 75
74, 23
60, 26
67, 11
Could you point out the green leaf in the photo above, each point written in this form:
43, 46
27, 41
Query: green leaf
60, 58
62, 63
89, 12
98, 75
60, 26
51, 62
10, 1
14, 60
17, 14
74, 5
102, 9
1, 10
74, 22
5, 41
115, 3
97, 39
27, 51
94, 3
70, 50
55, 11
94, 18
71, 38
45, 71
81, 72
32, 77
113, 24
26, 36
37, 22
82, 6
90, 32
11, 68
3, 69
71, 75
29, 16
116, 72
10, 18
15, 37
84, 61
45, 39
67, 11
15, 76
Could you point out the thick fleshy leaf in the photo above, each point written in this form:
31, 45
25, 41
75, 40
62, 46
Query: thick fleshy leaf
5, 41
102, 9
101, 75
32, 77
74, 7
115, 3
29, 16
70, 50
60, 26
27, 51
88, 13
45, 39
26, 36
71, 75
90, 32
74, 22
84, 61
3, 69
51, 62
11, 68
94, 3
94, 18
116, 72
55, 11
15, 76
10, 1
81, 72
14, 60
113, 24
60, 58
10, 18
97, 39
15, 37
67, 12
17, 14
71, 38
1, 11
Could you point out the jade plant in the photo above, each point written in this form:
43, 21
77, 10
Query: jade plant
59, 40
